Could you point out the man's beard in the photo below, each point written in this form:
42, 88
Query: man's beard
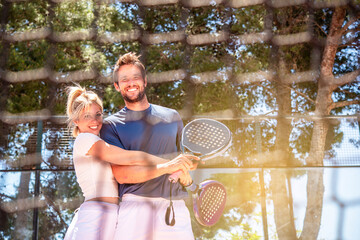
139, 97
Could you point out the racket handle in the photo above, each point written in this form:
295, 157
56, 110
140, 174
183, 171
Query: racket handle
175, 176
193, 188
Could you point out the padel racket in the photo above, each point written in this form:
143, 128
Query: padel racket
209, 199
205, 138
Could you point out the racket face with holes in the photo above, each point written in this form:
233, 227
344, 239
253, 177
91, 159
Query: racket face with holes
209, 203
205, 138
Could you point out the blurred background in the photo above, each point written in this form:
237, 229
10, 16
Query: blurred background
282, 75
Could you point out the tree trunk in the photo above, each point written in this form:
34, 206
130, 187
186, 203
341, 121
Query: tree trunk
315, 194
284, 221
326, 85
282, 205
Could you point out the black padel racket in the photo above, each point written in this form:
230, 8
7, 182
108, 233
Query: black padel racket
209, 199
205, 138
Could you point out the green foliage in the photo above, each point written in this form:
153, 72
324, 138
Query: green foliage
167, 94
291, 20
253, 95
165, 57
249, 145
296, 62
27, 15
251, 58
162, 19
73, 15
213, 96
120, 17
299, 102
248, 234
112, 100
27, 55
248, 20
55, 186
78, 55
208, 58
60, 99
301, 137
28, 96
206, 20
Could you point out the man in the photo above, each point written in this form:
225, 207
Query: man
155, 130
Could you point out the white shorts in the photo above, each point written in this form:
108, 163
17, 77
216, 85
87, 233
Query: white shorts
93, 221
142, 218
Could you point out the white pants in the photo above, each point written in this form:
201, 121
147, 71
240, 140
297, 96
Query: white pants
142, 218
93, 221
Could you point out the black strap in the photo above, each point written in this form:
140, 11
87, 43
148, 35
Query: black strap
169, 210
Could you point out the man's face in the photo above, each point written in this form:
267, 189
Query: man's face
131, 84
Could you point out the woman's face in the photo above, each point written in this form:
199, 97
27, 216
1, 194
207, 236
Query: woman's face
90, 120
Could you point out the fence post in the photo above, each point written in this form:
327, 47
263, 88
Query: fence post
37, 180
262, 182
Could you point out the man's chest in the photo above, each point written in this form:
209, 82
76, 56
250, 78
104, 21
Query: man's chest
149, 137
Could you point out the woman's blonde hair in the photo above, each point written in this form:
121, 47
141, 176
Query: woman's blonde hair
78, 100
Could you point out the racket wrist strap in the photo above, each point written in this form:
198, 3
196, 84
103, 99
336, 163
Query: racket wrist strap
169, 210
188, 184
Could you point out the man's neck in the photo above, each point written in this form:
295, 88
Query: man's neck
138, 106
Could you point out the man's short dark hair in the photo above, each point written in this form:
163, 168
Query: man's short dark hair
128, 59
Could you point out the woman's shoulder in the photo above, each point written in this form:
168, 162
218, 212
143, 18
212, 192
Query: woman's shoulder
83, 143
86, 137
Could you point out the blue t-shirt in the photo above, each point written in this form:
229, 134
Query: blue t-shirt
156, 130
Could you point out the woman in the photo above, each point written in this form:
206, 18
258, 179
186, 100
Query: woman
97, 216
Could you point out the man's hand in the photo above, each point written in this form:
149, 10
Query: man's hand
183, 162
185, 179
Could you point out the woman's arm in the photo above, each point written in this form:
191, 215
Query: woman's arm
119, 156
138, 174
